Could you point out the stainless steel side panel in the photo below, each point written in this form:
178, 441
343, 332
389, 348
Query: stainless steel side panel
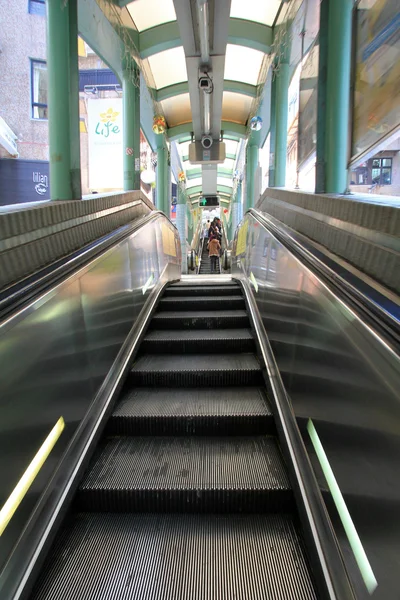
340, 374
56, 353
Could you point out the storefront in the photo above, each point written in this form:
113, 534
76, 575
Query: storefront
23, 181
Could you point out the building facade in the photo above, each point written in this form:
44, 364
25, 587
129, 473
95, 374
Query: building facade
24, 148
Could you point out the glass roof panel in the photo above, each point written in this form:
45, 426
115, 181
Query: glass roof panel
224, 181
161, 66
243, 64
231, 146
192, 182
150, 13
254, 10
228, 163
177, 110
236, 107
184, 149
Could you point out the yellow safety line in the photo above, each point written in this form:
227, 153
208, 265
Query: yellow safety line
30, 474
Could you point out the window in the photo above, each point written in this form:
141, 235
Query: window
382, 171
37, 7
39, 89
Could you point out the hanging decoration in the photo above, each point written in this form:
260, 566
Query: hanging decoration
159, 124
181, 177
256, 123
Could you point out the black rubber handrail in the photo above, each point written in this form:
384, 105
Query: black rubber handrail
375, 309
28, 289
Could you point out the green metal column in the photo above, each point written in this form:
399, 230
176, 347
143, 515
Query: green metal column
161, 177
251, 170
281, 123
63, 114
272, 132
131, 133
168, 196
189, 217
320, 164
235, 211
181, 224
338, 94
76, 183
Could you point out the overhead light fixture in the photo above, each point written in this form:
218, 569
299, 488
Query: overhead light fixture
202, 11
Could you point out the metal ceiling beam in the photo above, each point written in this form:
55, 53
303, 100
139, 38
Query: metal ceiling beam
197, 189
160, 38
176, 89
230, 156
250, 34
240, 32
231, 130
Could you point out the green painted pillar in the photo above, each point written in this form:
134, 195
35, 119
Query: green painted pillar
76, 182
320, 163
281, 123
338, 94
251, 172
236, 209
272, 131
62, 74
189, 217
161, 177
131, 133
181, 224
168, 196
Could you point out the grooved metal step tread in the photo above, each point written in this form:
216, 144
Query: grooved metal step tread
198, 314
202, 290
186, 474
146, 402
199, 319
199, 334
196, 362
197, 411
195, 370
206, 299
166, 557
200, 283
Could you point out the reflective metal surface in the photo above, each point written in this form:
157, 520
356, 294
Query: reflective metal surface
56, 353
341, 374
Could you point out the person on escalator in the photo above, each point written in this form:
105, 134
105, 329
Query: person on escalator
214, 248
215, 230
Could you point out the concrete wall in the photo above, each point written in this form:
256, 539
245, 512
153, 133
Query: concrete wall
33, 238
366, 235
23, 36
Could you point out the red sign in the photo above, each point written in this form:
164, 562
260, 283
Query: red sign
129, 151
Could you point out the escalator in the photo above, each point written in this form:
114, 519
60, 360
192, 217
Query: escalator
187, 494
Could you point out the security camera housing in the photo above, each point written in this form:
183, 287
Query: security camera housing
206, 141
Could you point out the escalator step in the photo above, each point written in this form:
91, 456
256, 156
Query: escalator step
202, 303
165, 557
202, 290
189, 283
233, 411
201, 319
197, 341
186, 474
196, 370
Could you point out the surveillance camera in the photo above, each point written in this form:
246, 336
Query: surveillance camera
205, 84
206, 141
